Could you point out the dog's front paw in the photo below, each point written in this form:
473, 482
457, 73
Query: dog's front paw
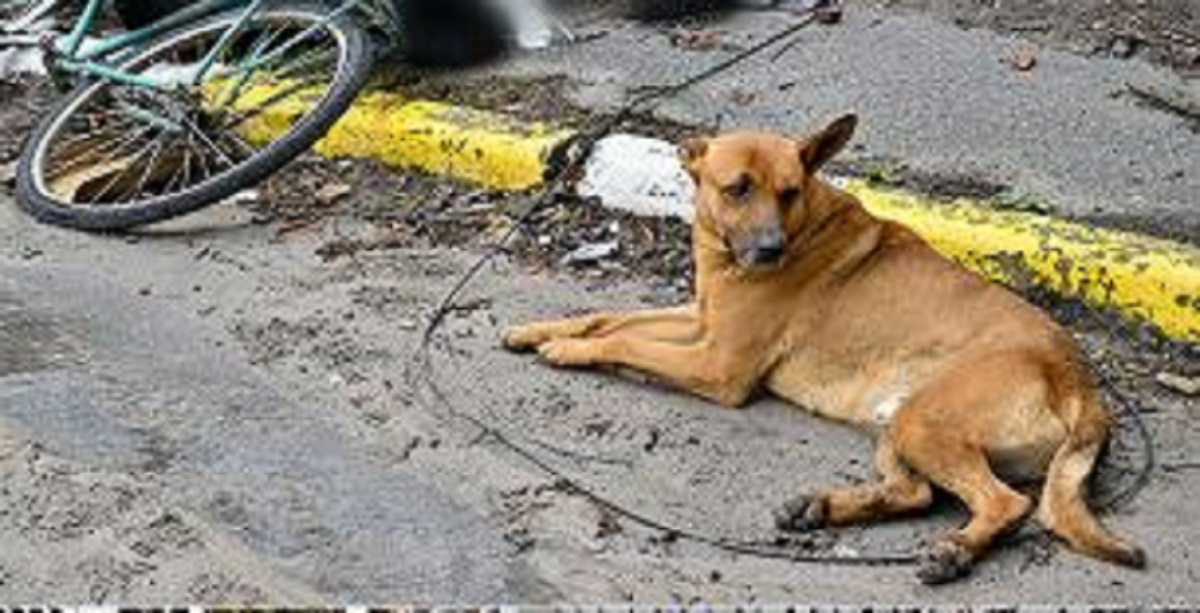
569, 352
802, 514
944, 562
524, 338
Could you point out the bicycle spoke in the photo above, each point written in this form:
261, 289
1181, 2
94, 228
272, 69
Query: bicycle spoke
108, 151
303, 62
77, 139
175, 181
187, 162
35, 14
237, 140
95, 199
150, 166
202, 160
124, 144
271, 100
101, 146
236, 92
194, 129
284, 48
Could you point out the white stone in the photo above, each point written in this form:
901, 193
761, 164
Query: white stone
642, 175
21, 60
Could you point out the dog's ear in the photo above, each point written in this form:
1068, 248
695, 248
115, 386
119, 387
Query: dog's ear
691, 152
821, 147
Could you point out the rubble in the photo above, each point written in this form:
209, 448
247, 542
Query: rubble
590, 253
1188, 386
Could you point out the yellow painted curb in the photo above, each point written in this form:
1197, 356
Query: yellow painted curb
1149, 280
479, 147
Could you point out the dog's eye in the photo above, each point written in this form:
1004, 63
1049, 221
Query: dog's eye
740, 190
789, 196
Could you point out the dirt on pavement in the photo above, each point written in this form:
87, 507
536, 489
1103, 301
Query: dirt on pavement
336, 336
1162, 31
169, 484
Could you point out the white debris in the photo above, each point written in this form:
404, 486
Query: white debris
11, 444
1179, 383
845, 551
20, 45
592, 253
642, 175
246, 196
20, 60
333, 192
8, 173
172, 74
20, 51
531, 24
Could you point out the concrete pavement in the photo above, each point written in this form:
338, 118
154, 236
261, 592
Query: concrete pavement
107, 364
211, 412
935, 98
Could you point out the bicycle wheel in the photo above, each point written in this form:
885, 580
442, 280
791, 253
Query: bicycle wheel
112, 156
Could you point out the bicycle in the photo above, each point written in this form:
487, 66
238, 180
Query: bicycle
199, 104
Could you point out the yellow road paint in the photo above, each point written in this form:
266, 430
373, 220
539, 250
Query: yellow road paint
479, 147
1149, 280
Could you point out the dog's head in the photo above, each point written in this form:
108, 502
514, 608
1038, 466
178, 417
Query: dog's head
754, 190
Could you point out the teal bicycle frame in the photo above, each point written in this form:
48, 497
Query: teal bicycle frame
71, 55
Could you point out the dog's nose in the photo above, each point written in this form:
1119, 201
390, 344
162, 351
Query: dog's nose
768, 248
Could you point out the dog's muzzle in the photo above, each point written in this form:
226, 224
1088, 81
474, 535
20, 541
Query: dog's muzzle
767, 248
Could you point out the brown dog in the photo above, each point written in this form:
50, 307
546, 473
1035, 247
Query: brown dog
802, 292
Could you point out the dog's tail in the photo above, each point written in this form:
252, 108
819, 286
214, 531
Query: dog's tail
1063, 509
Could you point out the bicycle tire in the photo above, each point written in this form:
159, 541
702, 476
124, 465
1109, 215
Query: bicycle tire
352, 75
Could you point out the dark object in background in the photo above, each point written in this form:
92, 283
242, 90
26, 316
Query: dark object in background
446, 33
435, 32
461, 32
452, 32
140, 13
672, 9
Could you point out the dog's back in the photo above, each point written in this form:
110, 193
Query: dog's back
956, 370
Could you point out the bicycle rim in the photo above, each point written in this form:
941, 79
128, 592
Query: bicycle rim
119, 155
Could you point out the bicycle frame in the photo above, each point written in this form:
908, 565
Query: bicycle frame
71, 55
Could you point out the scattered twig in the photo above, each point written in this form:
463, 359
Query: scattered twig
1174, 467
1175, 101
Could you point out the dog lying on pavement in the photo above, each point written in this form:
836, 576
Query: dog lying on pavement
801, 292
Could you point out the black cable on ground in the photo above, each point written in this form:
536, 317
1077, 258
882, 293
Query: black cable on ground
568, 162
1142, 477
571, 160
574, 154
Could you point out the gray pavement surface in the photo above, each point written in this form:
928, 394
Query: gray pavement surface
933, 97
213, 413
97, 373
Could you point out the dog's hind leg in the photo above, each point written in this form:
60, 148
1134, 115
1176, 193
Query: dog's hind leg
900, 491
673, 324
930, 445
1063, 509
